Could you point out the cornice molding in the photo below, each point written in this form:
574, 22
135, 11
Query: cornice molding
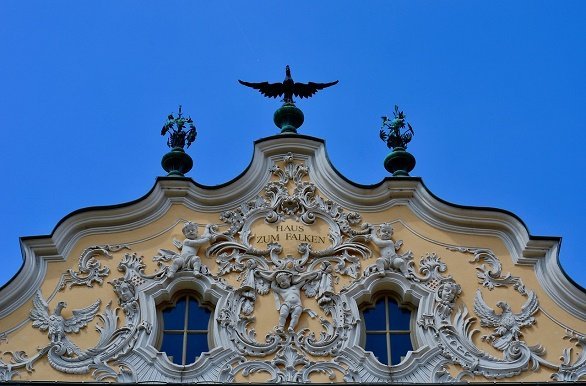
539, 252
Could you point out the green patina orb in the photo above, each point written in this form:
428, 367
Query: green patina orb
288, 118
177, 162
400, 162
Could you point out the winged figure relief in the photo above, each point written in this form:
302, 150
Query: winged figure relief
58, 326
507, 324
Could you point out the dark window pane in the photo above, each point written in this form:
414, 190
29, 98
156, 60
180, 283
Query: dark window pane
399, 317
374, 318
196, 344
173, 346
174, 318
377, 343
199, 317
400, 344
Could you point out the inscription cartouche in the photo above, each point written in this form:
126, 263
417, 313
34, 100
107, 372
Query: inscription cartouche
290, 234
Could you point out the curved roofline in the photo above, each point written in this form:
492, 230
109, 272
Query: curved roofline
320, 140
385, 180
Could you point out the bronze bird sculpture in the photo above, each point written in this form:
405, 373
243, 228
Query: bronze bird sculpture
288, 88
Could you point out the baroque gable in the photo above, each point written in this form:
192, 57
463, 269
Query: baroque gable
288, 257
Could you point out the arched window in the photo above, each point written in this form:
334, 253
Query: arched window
387, 330
185, 330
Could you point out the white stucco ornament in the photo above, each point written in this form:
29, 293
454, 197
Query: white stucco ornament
330, 282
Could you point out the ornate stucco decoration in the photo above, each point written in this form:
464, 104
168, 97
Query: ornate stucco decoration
507, 324
90, 269
326, 279
491, 277
57, 326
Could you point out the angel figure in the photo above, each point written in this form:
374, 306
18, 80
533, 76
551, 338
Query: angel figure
57, 325
388, 249
286, 286
187, 258
507, 324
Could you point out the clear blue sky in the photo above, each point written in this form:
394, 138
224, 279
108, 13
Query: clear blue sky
494, 90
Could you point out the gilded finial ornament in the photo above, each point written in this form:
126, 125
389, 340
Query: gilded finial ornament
182, 133
399, 162
288, 117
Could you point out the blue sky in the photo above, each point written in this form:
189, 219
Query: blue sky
494, 90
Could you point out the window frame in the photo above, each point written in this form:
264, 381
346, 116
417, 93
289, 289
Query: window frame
388, 332
185, 332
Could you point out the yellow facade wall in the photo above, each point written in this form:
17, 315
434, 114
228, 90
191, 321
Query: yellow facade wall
418, 236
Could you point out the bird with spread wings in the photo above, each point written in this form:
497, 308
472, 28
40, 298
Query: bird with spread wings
57, 326
288, 88
507, 324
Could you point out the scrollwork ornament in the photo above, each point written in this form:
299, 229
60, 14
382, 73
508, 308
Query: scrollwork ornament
90, 269
304, 281
431, 267
568, 371
491, 277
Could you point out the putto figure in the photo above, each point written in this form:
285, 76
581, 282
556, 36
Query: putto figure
388, 249
286, 286
187, 259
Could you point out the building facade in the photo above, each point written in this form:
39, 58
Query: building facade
291, 273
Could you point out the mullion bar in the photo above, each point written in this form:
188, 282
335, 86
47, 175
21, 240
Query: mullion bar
388, 326
185, 321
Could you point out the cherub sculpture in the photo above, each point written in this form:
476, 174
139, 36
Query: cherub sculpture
446, 295
57, 325
286, 286
127, 295
187, 258
388, 249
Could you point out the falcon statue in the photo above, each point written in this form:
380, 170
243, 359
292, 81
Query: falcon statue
57, 325
288, 88
507, 324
